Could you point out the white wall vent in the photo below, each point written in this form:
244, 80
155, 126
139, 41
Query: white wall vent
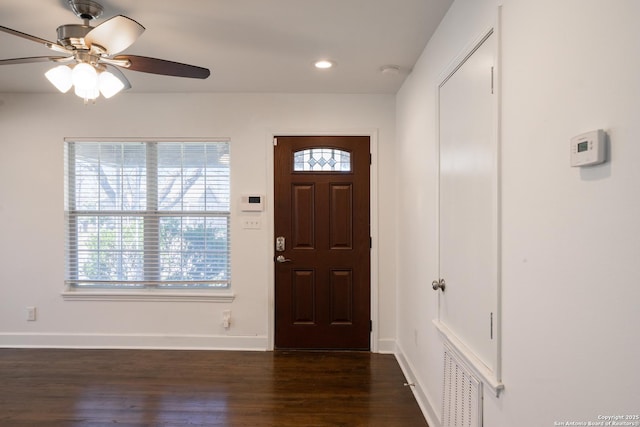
461, 396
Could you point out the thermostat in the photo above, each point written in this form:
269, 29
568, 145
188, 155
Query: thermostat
588, 148
252, 203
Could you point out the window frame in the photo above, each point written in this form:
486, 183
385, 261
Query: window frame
146, 290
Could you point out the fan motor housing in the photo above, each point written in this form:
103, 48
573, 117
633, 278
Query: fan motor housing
72, 35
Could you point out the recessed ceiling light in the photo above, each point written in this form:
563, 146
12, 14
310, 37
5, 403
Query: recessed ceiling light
324, 64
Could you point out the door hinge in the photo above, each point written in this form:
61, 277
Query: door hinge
370, 158
370, 325
275, 142
491, 327
370, 242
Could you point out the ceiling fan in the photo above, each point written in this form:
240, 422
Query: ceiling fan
91, 62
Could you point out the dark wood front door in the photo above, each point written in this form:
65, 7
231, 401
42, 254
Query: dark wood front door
322, 257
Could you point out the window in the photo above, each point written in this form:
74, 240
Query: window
147, 215
322, 160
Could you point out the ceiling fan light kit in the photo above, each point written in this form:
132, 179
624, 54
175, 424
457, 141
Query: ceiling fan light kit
60, 77
90, 65
109, 84
89, 81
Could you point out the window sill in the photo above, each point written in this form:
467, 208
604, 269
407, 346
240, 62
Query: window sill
152, 295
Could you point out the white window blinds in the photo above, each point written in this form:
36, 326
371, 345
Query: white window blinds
147, 214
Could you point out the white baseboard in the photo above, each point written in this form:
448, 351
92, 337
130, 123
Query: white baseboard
133, 341
423, 401
386, 346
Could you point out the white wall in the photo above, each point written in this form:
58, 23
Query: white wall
570, 237
31, 212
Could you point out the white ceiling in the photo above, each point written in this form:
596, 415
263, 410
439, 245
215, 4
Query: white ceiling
249, 45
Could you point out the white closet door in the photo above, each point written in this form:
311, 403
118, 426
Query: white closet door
468, 215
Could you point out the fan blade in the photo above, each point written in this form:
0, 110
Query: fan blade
164, 67
33, 59
115, 34
47, 43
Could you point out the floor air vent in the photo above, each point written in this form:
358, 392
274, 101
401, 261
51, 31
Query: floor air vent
462, 395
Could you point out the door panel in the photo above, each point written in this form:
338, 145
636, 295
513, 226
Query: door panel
304, 297
468, 212
340, 221
303, 221
341, 297
322, 285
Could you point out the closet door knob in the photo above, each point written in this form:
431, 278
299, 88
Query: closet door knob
438, 284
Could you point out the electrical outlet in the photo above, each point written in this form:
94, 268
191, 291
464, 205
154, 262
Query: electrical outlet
31, 314
226, 319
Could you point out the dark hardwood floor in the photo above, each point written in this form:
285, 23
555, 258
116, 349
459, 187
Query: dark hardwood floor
55, 387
